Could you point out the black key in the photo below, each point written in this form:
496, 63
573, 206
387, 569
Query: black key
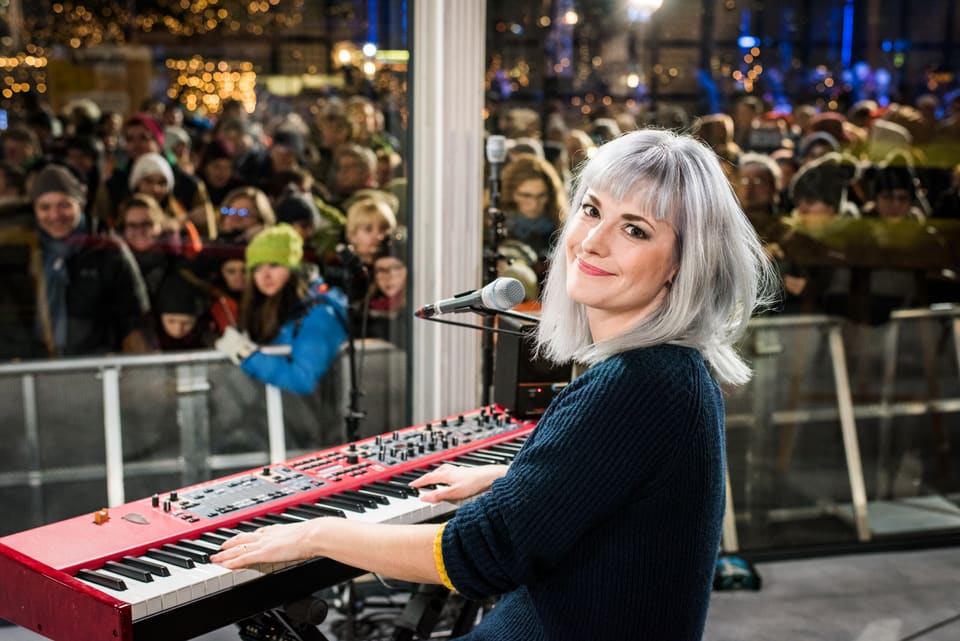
395, 490
247, 526
493, 458
406, 477
280, 519
227, 532
214, 538
330, 501
365, 500
196, 557
169, 557
473, 460
102, 579
320, 510
153, 568
207, 548
143, 576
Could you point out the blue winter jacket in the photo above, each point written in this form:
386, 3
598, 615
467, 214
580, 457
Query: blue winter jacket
314, 336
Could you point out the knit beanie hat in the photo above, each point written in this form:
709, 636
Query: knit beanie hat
59, 179
146, 120
148, 164
298, 207
177, 296
279, 245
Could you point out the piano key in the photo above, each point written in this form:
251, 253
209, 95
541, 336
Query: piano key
142, 604
169, 557
395, 490
322, 510
128, 571
352, 495
102, 579
196, 557
366, 493
154, 568
329, 501
281, 519
214, 538
199, 545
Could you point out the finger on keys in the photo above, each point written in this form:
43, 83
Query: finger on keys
439, 475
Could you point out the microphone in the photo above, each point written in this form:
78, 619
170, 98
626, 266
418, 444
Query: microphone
496, 155
499, 295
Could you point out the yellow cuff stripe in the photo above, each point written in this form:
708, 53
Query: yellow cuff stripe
438, 559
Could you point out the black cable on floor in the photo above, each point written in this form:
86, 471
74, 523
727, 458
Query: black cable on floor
935, 626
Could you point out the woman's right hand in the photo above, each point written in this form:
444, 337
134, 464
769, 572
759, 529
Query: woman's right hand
458, 483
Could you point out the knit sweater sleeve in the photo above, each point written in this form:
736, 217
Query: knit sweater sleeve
609, 439
312, 349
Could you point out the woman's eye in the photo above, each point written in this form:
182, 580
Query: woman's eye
590, 211
636, 232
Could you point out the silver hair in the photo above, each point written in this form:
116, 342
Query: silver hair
723, 274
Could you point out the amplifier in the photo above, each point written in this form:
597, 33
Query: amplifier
522, 383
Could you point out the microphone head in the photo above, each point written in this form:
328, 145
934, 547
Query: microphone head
496, 149
502, 294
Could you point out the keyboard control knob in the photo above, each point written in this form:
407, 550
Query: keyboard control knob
155, 500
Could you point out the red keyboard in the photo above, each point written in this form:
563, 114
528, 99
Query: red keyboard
142, 570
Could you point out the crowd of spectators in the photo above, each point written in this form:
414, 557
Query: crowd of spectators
132, 233
129, 233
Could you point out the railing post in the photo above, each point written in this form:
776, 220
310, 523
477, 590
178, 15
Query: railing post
32, 433
193, 417
275, 429
113, 435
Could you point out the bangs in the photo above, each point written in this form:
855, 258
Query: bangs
647, 177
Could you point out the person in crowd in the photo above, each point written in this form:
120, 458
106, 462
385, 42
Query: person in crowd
179, 317
758, 186
286, 152
245, 211
142, 134
815, 145
367, 125
226, 286
178, 145
152, 238
94, 298
534, 202
216, 170
716, 130
580, 147
387, 319
892, 190
369, 221
84, 155
284, 306
21, 147
354, 168
639, 434
329, 222
152, 175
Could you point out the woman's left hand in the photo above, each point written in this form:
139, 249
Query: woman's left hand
271, 544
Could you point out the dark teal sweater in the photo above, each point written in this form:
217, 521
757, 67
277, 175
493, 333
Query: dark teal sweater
607, 525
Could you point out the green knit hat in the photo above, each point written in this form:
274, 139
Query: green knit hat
279, 245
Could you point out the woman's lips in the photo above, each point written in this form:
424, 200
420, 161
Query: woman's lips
590, 270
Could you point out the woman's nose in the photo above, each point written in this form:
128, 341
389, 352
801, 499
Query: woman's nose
595, 242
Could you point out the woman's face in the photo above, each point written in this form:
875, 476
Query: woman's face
178, 325
894, 203
270, 278
366, 238
814, 213
238, 214
139, 229
390, 275
531, 197
620, 262
155, 185
216, 173
234, 274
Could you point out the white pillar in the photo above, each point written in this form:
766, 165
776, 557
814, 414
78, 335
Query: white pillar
447, 206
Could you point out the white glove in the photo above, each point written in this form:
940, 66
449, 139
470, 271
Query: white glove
236, 345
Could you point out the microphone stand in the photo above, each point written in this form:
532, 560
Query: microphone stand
353, 414
496, 232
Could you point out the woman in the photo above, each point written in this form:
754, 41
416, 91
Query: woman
152, 175
607, 523
534, 201
282, 306
245, 211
